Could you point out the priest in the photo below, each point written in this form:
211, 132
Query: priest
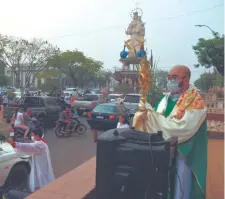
181, 113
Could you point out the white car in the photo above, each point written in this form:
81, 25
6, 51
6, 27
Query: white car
14, 167
71, 91
114, 97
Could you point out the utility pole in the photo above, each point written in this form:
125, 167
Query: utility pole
213, 32
151, 59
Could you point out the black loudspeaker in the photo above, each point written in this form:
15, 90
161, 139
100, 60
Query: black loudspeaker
132, 165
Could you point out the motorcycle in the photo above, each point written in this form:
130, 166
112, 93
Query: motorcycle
13, 194
18, 134
61, 129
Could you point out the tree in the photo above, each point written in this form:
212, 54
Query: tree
161, 78
51, 73
4, 80
210, 53
102, 78
24, 56
209, 80
154, 93
75, 65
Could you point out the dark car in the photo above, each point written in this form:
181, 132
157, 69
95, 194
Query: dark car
48, 107
131, 102
106, 116
89, 103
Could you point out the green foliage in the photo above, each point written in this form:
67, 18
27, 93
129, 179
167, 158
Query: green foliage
29, 56
101, 78
161, 78
209, 80
77, 66
210, 53
154, 93
47, 86
49, 74
4, 80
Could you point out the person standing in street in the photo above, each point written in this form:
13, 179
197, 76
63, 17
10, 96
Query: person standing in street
67, 98
41, 172
5, 100
72, 99
123, 123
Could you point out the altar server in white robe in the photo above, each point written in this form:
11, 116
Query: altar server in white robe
41, 168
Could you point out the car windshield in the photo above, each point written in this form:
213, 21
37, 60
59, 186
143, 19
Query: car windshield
105, 109
113, 96
90, 97
17, 93
69, 89
132, 98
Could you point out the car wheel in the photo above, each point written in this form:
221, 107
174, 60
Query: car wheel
18, 177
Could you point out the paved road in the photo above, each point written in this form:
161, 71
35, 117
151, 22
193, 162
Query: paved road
68, 153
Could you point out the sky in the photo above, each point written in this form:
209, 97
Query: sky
97, 27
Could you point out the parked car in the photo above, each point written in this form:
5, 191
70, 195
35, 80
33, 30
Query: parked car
113, 97
46, 106
17, 94
106, 116
95, 91
14, 167
72, 91
89, 103
131, 102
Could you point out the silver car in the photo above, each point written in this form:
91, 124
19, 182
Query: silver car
14, 167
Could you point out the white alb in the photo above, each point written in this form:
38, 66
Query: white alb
41, 167
122, 126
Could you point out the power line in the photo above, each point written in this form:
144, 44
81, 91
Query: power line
160, 19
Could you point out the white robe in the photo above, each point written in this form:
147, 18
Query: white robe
41, 168
183, 128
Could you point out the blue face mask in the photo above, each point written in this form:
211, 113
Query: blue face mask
173, 86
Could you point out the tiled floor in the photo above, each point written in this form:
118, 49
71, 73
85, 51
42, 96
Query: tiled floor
78, 182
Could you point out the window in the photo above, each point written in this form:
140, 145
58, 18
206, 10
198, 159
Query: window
132, 98
57, 102
49, 101
105, 109
32, 101
53, 102
114, 96
42, 102
91, 97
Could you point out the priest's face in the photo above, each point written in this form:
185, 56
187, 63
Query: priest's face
178, 79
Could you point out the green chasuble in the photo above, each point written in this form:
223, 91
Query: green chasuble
194, 152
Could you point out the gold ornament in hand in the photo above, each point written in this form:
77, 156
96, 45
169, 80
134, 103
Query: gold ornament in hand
144, 78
